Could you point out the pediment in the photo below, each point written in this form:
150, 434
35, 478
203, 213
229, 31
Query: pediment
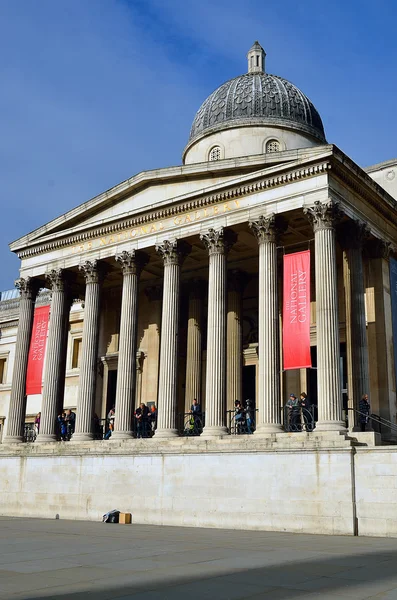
156, 190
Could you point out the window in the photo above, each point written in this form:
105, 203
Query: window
76, 353
215, 153
2, 369
272, 146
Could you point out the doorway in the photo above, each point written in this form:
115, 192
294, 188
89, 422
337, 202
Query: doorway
111, 391
249, 383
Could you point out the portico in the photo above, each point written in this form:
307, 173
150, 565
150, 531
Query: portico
196, 253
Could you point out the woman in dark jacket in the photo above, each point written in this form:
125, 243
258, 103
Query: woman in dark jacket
364, 410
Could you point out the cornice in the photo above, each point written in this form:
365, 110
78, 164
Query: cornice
237, 191
357, 180
160, 176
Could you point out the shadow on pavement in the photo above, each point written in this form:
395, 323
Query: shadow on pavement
358, 575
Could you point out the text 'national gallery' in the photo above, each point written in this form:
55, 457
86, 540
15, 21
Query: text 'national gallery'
213, 293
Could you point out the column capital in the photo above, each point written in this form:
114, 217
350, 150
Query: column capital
132, 262
58, 280
218, 241
267, 229
173, 252
154, 292
28, 287
323, 215
93, 271
377, 248
352, 234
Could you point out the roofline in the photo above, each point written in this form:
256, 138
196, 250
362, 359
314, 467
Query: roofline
382, 165
155, 176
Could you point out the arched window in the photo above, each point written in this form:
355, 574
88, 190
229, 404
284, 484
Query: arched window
215, 153
272, 146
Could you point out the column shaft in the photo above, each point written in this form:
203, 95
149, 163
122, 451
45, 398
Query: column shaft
54, 377
234, 352
17, 411
218, 243
126, 370
323, 217
269, 417
193, 354
172, 254
88, 365
352, 236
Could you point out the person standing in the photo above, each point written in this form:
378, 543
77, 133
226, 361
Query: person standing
249, 414
364, 410
141, 416
70, 422
37, 423
110, 419
306, 412
152, 418
294, 413
63, 428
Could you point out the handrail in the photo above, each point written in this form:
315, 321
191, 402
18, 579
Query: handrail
376, 419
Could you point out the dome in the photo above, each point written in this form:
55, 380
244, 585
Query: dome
257, 98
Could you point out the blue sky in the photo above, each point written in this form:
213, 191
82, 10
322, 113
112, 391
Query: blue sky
95, 91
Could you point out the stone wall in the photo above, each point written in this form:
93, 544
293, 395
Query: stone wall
376, 491
181, 485
230, 483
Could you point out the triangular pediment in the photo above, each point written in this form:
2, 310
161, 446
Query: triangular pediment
152, 190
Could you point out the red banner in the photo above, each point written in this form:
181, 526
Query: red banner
296, 311
37, 350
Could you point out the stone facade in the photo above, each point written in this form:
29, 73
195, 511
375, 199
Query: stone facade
168, 287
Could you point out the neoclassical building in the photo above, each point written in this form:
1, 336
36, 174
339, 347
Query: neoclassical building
167, 287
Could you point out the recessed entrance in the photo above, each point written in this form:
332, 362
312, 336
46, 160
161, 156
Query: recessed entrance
111, 391
249, 383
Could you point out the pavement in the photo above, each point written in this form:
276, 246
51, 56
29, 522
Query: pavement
43, 559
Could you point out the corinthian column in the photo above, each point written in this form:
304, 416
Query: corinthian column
218, 243
269, 417
54, 376
172, 253
131, 264
352, 236
93, 274
28, 289
234, 353
194, 341
323, 217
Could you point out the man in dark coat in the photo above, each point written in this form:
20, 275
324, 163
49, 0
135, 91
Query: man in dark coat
364, 410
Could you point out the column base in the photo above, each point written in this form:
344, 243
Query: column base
44, 438
13, 439
266, 429
214, 432
166, 433
117, 436
331, 426
82, 437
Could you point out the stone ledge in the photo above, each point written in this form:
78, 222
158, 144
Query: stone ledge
280, 442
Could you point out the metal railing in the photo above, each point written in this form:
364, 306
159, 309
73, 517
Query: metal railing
241, 421
29, 432
189, 424
379, 424
297, 418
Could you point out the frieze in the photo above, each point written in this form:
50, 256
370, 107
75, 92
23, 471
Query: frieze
179, 214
